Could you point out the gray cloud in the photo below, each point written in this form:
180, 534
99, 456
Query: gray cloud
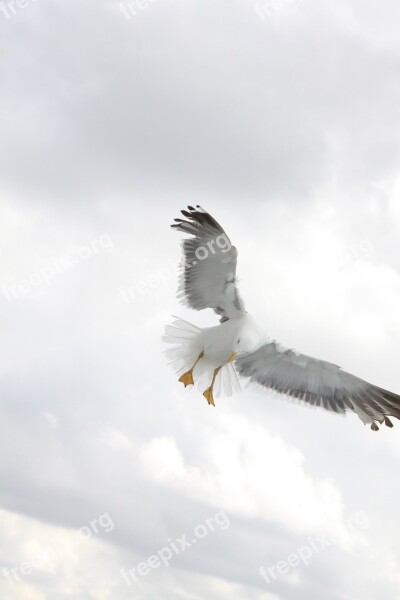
286, 130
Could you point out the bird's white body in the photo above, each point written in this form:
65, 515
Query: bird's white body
238, 335
217, 344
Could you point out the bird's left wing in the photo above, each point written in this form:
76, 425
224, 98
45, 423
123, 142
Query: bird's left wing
208, 278
318, 383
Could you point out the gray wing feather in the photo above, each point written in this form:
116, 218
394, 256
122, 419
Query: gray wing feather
318, 383
208, 277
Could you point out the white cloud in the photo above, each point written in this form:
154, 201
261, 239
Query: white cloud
249, 472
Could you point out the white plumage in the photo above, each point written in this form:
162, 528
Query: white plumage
214, 356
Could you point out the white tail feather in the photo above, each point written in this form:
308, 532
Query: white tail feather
187, 346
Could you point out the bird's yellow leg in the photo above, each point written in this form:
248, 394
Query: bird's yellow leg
187, 378
208, 394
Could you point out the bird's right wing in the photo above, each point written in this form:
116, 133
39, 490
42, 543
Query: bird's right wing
318, 383
208, 278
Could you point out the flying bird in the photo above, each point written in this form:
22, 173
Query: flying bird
215, 356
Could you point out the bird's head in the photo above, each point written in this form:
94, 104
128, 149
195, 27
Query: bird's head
249, 338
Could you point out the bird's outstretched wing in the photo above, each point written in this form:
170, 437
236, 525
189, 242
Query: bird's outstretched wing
318, 383
208, 278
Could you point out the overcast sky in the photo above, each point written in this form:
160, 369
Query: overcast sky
282, 118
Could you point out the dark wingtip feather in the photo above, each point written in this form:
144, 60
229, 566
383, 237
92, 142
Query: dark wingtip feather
374, 427
197, 223
388, 422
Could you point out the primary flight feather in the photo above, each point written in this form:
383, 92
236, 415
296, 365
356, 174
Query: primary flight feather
237, 346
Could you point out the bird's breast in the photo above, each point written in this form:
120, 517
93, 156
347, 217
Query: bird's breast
219, 341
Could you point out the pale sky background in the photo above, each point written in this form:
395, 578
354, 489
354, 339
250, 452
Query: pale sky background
285, 126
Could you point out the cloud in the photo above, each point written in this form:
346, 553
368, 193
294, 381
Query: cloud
286, 130
248, 472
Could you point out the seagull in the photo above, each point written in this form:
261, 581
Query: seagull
239, 346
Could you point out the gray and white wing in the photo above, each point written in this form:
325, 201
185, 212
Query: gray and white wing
208, 277
318, 383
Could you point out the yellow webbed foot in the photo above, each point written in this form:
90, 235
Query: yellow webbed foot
187, 378
208, 395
